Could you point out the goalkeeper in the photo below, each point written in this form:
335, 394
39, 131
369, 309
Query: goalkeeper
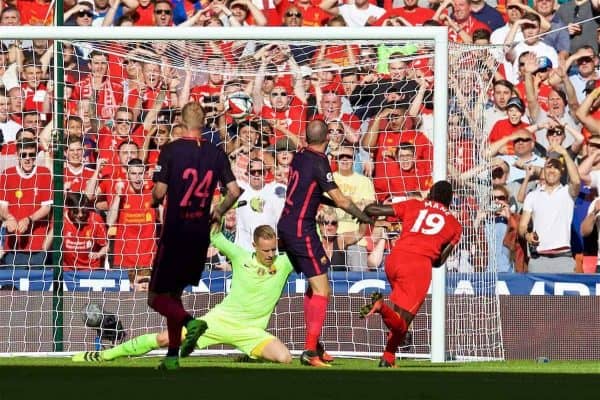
242, 317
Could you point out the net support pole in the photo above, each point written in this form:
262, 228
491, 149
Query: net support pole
440, 156
58, 185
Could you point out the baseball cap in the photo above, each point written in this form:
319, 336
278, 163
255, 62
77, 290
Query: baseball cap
544, 63
555, 160
516, 102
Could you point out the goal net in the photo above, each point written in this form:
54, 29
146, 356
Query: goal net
86, 118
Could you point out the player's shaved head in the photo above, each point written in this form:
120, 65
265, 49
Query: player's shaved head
192, 115
441, 191
316, 132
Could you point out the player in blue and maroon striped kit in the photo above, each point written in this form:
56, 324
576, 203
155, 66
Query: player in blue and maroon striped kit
187, 174
309, 178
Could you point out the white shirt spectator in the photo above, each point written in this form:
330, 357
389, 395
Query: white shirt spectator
551, 213
355, 17
264, 208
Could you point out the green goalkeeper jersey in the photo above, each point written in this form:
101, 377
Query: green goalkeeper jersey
254, 291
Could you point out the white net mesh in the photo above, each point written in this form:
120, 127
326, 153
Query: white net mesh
123, 102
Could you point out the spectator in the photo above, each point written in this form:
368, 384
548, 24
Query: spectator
336, 244
523, 144
385, 134
483, 12
360, 13
572, 14
265, 202
587, 63
131, 220
25, 203
550, 208
108, 95
462, 24
505, 127
557, 37
75, 173
530, 25
163, 13
85, 243
361, 191
8, 127
410, 12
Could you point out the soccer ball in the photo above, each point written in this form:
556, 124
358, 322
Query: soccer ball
238, 105
92, 315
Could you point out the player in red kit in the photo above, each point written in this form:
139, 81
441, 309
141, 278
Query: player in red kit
429, 234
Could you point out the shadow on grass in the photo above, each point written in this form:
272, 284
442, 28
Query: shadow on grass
86, 383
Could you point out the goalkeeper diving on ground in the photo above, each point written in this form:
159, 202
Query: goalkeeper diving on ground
242, 317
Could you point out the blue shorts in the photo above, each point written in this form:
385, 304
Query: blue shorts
306, 253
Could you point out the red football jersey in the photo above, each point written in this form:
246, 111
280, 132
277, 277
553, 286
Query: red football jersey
427, 227
76, 179
135, 237
24, 194
79, 243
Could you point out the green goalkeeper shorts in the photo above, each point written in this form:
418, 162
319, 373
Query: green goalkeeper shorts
222, 330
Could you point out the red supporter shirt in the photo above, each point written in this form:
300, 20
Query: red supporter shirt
35, 12
135, 235
144, 16
29, 104
416, 16
76, 179
503, 128
198, 93
294, 117
79, 243
469, 26
427, 227
109, 97
337, 54
406, 181
24, 194
543, 92
312, 15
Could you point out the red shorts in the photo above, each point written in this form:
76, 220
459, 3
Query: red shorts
409, 276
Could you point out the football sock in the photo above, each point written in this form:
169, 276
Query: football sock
398, 328
135, 347
315, 318
170, 307
176, 315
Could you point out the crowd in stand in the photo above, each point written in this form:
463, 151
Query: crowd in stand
523, 155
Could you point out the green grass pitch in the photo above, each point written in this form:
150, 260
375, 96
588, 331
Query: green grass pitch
222, 378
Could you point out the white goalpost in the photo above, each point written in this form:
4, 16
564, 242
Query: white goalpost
44, 306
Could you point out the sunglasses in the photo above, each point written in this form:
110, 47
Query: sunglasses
292, 15
123, 121
166, 12
335, 131
584, 60
522, 140
500, 198
513, 7
542, 70
594, 145
345, 157
521, 64
554, 132
256, 172
27, 154
280, 94
333, 223
82, 14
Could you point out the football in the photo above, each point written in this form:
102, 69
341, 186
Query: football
92, 315
238, 105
